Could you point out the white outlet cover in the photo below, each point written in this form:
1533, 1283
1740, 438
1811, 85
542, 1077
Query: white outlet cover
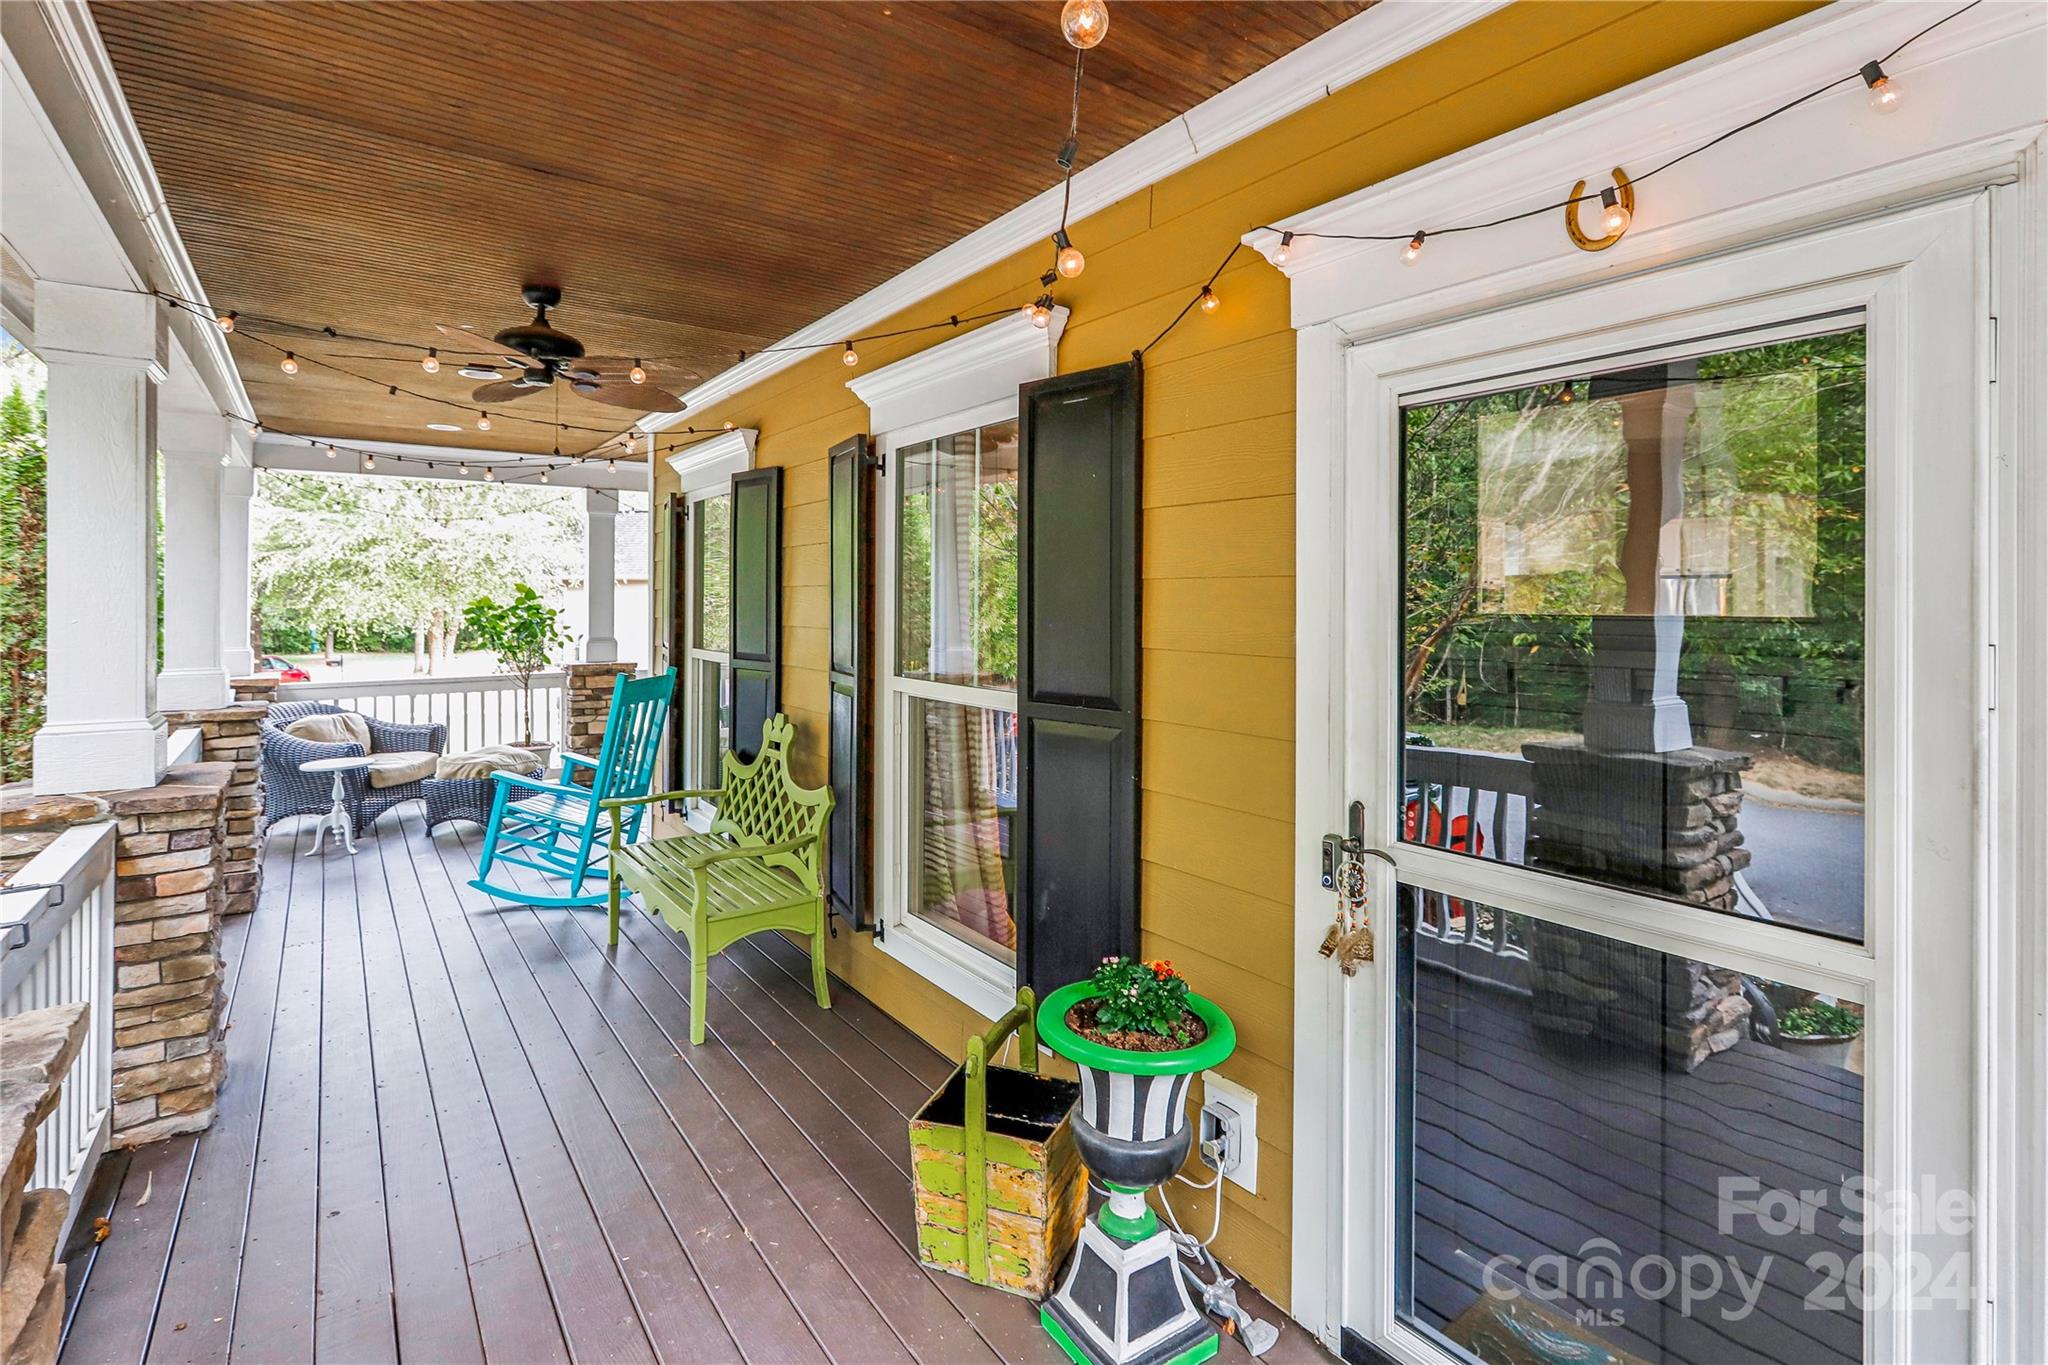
1246, 1103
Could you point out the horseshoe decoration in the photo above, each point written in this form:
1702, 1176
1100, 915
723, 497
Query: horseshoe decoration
1623, 191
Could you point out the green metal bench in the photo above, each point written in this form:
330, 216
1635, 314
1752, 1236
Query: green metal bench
758, 868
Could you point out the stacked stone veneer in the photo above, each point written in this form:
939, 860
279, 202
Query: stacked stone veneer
169, 895
587, 701
234, 735
36, 1052
1665, 824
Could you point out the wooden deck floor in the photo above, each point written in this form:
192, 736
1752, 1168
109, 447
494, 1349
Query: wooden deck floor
455, 1131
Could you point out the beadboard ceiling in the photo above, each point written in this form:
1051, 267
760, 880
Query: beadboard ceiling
699, 179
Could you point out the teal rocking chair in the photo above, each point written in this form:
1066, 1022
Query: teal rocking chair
552, 827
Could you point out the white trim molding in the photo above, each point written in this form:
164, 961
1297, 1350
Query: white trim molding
1976, 101
1353, 50
712, 462
984, 366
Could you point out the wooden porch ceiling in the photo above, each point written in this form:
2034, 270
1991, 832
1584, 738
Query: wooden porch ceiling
698, 178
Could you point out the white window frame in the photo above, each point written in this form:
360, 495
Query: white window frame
976, 978
705, 470
958, 385
1828, 162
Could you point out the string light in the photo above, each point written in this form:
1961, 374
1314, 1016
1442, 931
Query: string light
611, 466
1040, 311
463, 469
226, 321
544, 474
1085, 23
483, 421
1885, 94
637, 374
1210, 303
728, 424
1614, 215
1412, 253
431, 362
1283, 252
255, 428
490, 473
290, 363
369, 461
1070, 262
331, 451
851, 356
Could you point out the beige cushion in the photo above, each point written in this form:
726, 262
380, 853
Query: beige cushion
337, 727
495, 758
395, 770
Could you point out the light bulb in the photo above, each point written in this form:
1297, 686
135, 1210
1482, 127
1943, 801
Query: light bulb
332, 452
611, 466
636, 374
226, 321
1210, 303
1614, 215
1565, 395
728, 424
1041, 314
544, 476
1069, 262
1285, 250
851, 357
1084, 22
1028, 311
491, 474
1885, 94
483, 421
1412, 252
431, 362
255, 428
290, 363
463, 470
369, 461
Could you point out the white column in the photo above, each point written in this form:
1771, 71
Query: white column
237, 486
192, 446
106, 351
601, 510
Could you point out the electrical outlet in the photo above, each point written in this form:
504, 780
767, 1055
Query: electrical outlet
1230, 1117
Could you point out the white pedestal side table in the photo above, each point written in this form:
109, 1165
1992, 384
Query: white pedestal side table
337, 821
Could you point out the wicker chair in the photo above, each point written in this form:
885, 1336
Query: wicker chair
288, 792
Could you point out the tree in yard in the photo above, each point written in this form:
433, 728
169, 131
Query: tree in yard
351, 552
23, 560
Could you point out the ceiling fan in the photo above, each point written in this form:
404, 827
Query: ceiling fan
545, 355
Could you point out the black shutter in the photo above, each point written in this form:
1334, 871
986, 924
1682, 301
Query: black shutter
676, 642
756, 605
852, 493
1077, 687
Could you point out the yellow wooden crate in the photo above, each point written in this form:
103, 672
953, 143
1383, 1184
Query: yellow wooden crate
1001, 1191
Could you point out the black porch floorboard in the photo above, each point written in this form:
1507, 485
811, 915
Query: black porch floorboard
455, 1130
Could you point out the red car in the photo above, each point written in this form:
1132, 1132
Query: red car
286, 670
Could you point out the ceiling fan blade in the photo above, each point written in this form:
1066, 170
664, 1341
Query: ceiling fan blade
467, 343
504, 391
638, 397
619, 367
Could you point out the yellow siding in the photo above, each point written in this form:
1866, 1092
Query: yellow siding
1218, 605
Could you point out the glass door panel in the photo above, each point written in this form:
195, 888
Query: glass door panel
1633, 628
1612, 1153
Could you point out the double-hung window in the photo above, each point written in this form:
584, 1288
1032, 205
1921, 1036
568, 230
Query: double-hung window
708, 685
949, 702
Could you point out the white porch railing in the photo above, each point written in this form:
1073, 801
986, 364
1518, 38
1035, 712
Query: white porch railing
57, 948
477, 711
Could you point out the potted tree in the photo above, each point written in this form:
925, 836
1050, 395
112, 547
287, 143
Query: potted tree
524, 633
1137, 1033
1820, 1031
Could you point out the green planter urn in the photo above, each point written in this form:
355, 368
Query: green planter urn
1122, 1299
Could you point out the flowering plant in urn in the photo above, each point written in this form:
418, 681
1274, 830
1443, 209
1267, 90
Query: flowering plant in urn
1137, 1033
